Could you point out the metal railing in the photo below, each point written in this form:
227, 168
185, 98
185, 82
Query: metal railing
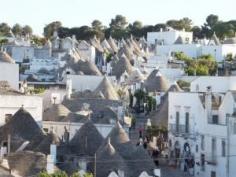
180, 129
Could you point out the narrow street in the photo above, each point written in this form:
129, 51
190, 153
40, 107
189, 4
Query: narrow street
166, 171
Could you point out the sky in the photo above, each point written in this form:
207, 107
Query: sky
72, 13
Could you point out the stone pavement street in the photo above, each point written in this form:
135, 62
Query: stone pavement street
166, 171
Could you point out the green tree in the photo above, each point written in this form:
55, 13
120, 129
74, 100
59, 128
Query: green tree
184, 23
50, 28
119, 22
17, 29
202, 70
212, 20
97, 25
27, 30
4, 28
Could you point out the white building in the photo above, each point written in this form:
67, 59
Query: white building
11, 101
86, 51
9, 71
202, 129
169, 42
87, 82
168, 37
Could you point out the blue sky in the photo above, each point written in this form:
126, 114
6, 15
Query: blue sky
38, 13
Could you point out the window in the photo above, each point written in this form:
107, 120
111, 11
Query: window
186, 122
7, 117
215, 119
213, 149
213, 174
203, 162
202, 142
223, 148
234, 128
177, 121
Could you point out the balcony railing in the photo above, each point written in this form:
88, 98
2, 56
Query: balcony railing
180, 129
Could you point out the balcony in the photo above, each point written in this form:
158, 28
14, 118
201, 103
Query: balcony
180, 130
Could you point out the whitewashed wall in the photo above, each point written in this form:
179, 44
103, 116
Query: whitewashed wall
87, 82
10, 72
10, 104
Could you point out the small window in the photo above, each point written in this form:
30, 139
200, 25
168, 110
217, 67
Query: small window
223, 148
213, 174
196, 148
202, 142
177, 121
215, 119
234, 128
7, 117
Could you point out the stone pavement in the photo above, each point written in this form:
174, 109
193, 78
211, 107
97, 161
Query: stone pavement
166, 171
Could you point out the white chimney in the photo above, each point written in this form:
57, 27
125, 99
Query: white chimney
68, 88
51, 159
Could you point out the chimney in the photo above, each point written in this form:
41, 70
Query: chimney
68, 88
208, 102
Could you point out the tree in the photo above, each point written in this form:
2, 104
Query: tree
160, 26
184, 23
27, 30
119, 22
197, 33
50, 28
212, 20
38, 40
4, 28
17, 29
97, 25
98, 29
136, 29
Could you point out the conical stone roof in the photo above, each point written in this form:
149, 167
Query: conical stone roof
122, 65
113, 45
87, 140
108, 159
156, 82
21, 125
107, 89
56, 112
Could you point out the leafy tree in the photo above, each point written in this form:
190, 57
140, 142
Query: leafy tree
212, 20
38, 40
27, 30
160, 26
51, 27
202, 70
4, 28
3, 41
119, 22
17, 29
97, 25
64, 32
183, 84
184, 23
197, 33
